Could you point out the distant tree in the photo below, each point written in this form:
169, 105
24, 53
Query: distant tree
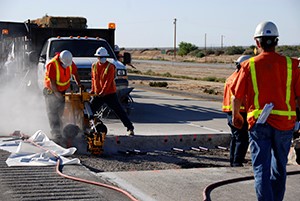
250, 50
292, 51
197, 53
219, 52
234, 50
185, 48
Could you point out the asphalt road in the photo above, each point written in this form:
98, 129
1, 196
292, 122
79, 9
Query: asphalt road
158, 113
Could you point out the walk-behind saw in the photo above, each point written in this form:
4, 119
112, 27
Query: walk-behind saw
82, 128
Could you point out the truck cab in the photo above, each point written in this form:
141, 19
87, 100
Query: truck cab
83, 50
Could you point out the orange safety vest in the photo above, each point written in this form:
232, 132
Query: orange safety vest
63, 76
227, 97
254, 113
103, 81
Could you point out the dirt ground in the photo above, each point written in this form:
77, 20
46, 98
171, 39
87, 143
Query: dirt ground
185, 69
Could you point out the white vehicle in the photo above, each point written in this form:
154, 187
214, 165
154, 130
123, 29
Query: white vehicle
83, 50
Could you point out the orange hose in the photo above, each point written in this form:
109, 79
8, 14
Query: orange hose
93, 182
83, 180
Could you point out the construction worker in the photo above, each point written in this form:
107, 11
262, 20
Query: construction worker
239, 137
118, 54
104, 86
268, 79
57, 80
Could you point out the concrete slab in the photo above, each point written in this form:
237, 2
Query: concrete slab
147, 143
189, 184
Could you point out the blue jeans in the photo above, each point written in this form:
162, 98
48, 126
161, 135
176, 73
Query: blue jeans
239, 142
269, 152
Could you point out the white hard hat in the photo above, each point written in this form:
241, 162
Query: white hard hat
242, 58
116, 48
101, 52
66, 58
266, 29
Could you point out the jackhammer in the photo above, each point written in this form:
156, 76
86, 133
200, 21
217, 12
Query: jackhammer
78, 111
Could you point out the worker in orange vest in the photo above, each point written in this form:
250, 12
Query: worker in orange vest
239, 137
57, 80
272, 80
104, 86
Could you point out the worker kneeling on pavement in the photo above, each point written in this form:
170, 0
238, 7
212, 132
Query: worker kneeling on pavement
104, 86
57, 80
239, 137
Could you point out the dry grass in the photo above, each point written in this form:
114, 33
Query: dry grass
198, 77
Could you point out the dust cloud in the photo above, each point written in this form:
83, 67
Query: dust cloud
22, 105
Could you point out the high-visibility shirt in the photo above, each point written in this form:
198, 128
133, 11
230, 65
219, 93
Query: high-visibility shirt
227, 95
61, 75
269, 78
103, 78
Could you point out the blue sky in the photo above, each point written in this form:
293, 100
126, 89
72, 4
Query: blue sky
143, 23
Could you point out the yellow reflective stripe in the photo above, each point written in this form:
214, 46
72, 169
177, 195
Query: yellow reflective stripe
288, 84
58, 75
284, 113
276, 112
95, 67
230, 107
106, 70
254, 83
227, 107
256, 112
57, 71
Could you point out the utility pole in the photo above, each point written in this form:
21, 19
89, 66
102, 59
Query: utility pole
174, 37
222, 36
205, 47
205, 43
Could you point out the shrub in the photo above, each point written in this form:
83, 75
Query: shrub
210, 51
219, 52
158, 84
214, 79
234, 50
167, 74
292, 51
185, 48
